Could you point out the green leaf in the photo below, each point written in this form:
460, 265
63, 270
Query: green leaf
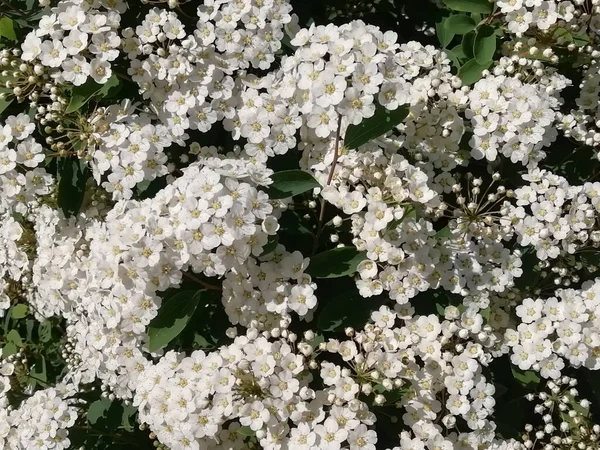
380, 123
246, 431
580, 39
271, 245
45, 331
9, 349
335, 263
97, 410
291, 182
5, 104
172, 318
475, 6
467, 44
29, 325
458, 52
443, 234
472, 71
392, 396
110, 88
346, 310
484, 46
71, 186
128, 421
7, 29
444, 34
459, 24
527, 378
80, 95
575, 406
456, 55
14, 337
19, 311
38, 372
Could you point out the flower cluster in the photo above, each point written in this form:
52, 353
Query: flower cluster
77, 40
554, 217
179, 182
41, 422
562, 326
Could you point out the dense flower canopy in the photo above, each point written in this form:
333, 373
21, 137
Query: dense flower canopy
224, 226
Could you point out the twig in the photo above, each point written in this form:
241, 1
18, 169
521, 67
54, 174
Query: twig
329, 178
203, 283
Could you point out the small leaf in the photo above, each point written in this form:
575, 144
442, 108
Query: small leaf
71, 186
5, 104
80, 95
291, 182
580, 39
444, 34
484, 46
172, 318
19, 311
246, 431
45, 331
9, 349
335, 263
380, 123
14, 337
443, 234
391, 396
38, 371
458, 52
459, 24
271, 245
128, 421
29, 325
467, 44
346, 310
472, 71
97, 410
574, 405
475, 6
7, 29
485, 313
527, 378
110, 88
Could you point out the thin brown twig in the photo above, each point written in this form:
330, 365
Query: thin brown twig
199, 281
329, 179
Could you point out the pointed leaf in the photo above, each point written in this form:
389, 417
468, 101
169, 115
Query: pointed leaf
472, 71
71, 186
7, 29
484, 46
475, 6
172, 318
527, 378
444, 34
335, 263
80, 95
459, 24
380, 123
467, 44
19, 311
5, 104
97, 410
346, 310
291, 182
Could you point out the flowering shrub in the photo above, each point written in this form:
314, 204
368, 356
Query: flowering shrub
275, 225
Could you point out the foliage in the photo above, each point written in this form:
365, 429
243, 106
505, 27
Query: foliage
261, 224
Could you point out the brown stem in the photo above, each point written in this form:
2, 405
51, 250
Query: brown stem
199, 281
329, 178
